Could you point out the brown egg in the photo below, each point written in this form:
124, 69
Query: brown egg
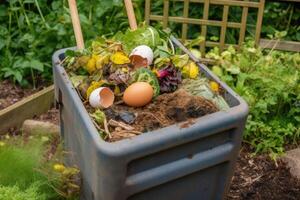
138, 94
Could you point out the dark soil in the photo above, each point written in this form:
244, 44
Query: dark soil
51, 116
166, 110
11, 93
259, 178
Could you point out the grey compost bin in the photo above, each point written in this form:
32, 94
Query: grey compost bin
173, 163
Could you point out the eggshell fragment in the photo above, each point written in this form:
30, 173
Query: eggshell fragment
141, 56
138, 94
102, 97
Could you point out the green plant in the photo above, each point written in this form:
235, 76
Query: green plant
15, 193
31, 30
270, 82
26, 171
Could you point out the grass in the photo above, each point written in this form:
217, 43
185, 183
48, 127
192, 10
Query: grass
21, 174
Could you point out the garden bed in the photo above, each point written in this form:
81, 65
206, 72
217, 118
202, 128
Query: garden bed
10, 93
256, 177
259, 177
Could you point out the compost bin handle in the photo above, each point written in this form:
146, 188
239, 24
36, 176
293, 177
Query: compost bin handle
76, 24
130, 14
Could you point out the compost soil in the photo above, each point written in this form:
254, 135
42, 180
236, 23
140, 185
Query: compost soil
167, 109
259, 177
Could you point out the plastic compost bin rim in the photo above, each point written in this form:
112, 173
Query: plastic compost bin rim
166, 136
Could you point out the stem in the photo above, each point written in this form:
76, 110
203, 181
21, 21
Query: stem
26, 17
9, 30
15, 15
290, 18
33, 78
91, 12
41, 14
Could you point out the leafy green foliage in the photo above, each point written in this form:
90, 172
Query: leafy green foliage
31, 30
270, 82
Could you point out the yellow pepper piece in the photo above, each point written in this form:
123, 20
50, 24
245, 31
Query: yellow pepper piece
214, 86
119, 58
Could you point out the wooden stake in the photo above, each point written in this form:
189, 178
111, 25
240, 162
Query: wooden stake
76, 24
130, 14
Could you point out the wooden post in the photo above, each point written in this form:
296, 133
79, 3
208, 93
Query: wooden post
76, 24
130, 14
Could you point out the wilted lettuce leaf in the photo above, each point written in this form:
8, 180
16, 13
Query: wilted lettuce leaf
142, 36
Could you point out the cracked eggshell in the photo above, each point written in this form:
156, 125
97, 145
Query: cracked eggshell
141, 56
102, 97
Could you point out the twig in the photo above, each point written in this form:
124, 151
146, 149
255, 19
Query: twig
115, 123
119, 102
96, 125
126, 131
106, 128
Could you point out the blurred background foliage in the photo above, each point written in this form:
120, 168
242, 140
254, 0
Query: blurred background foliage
31, 30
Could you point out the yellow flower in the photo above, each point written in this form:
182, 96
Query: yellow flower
214, 86
91, 65
2, 144
194, 70
191, 70
119, 58
59, 167
101, 60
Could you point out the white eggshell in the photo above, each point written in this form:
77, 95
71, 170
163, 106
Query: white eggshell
101, 97
145, 52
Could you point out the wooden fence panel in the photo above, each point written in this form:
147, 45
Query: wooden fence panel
204, 22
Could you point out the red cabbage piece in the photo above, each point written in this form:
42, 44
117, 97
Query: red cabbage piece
169, 78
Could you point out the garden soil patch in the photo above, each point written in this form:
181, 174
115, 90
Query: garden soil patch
11, 93
167, 109
258, 178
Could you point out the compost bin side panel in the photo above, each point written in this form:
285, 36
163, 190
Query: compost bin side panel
104, 173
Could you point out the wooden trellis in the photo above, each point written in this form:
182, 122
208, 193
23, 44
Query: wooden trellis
204, 22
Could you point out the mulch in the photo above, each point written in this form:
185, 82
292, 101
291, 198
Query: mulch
255, 178
258, 177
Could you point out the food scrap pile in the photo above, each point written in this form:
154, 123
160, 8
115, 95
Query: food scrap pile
137, 82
